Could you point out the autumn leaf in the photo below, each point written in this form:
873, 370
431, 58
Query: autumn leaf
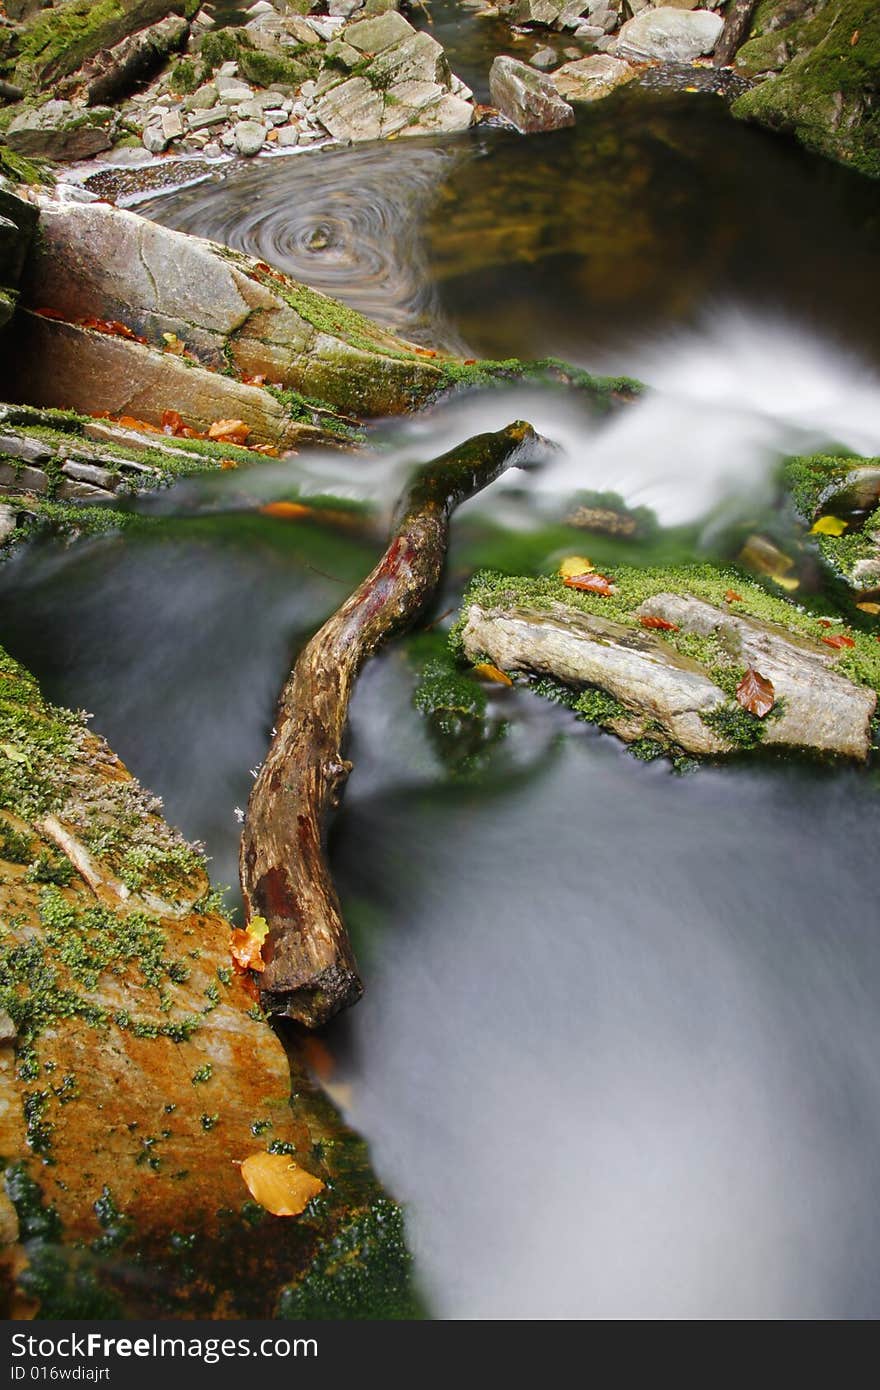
838, 641
50, 314
425, 352
129, 422
229, 431
575, 564
228, 463
648, 620
279, 1184
825, 622
246, 951
855, 38
287, 511
174, 345
268, 450
755, 693
731, 596
492, 673
829, 526
258, 379
786, 581
258, 928
868, 607
172, 423
590, 583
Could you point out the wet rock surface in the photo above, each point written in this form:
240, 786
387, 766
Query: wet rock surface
528, 98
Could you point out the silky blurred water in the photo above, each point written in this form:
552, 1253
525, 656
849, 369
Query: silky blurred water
619, 1047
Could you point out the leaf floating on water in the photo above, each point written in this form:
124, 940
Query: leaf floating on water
755, 693
279, 1184
731, 596
229, 431
648, 620
288, 511
575, 564
246, 951
590, 583
838, 641
786, 581
829, 526
869, 607
492, 673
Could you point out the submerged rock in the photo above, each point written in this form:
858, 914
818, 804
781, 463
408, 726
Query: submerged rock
673, 35
589, 79
526, 97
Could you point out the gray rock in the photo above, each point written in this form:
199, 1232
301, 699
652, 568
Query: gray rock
22, 478
375, 35
676, 36
71, 490
527, 98
203, 98
7, 522
589, 79
532, 11
571, 16
660, 688
288, 136
345, 8
155, 140
89, 473
544, 58
249, 138
172, 125
232, 90
590, 33
202, 120
58, 130
24, 448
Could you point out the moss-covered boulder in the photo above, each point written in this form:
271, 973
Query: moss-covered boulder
839, 499
52, 43
137, 1072
658, 657
824, 86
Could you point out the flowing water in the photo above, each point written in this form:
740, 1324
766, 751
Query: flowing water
619, 1047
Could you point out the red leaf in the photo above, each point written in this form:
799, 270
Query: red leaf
50, 314
839, 640
589, 583
825, 622
732, 596
648, 620
755, 693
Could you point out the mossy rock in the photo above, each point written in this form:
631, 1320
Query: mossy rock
826, 94
56, 42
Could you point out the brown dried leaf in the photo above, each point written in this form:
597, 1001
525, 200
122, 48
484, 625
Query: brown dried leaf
589, 583
755, 693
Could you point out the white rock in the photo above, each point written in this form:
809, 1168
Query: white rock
288, 135
249, 138
678, 36
155, 139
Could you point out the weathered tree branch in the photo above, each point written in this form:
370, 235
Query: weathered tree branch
736, 27
310, 967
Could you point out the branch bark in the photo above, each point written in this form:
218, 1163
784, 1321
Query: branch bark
736, 26
310, 971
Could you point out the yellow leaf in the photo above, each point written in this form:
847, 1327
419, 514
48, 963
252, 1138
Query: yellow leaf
492, 673
575, 564
279, 1184
258, 927
786, 581
869, 607
829, 526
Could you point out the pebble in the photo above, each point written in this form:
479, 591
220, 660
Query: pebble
249, 137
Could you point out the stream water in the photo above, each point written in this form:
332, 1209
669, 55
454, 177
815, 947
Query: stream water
619, 1047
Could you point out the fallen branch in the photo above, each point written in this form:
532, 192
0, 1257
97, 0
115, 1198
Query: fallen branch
310, 968
735, 31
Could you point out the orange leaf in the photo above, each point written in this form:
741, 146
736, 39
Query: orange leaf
113, 327
258, 379
425, 352
492, 673
755, 693
50, 314
855, 38
825, 622
128, 422
229, 431
268, 450
589, 583
288, 511
732, 596
246, 951
839, 640
228, 463
279, 1184
647, 620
